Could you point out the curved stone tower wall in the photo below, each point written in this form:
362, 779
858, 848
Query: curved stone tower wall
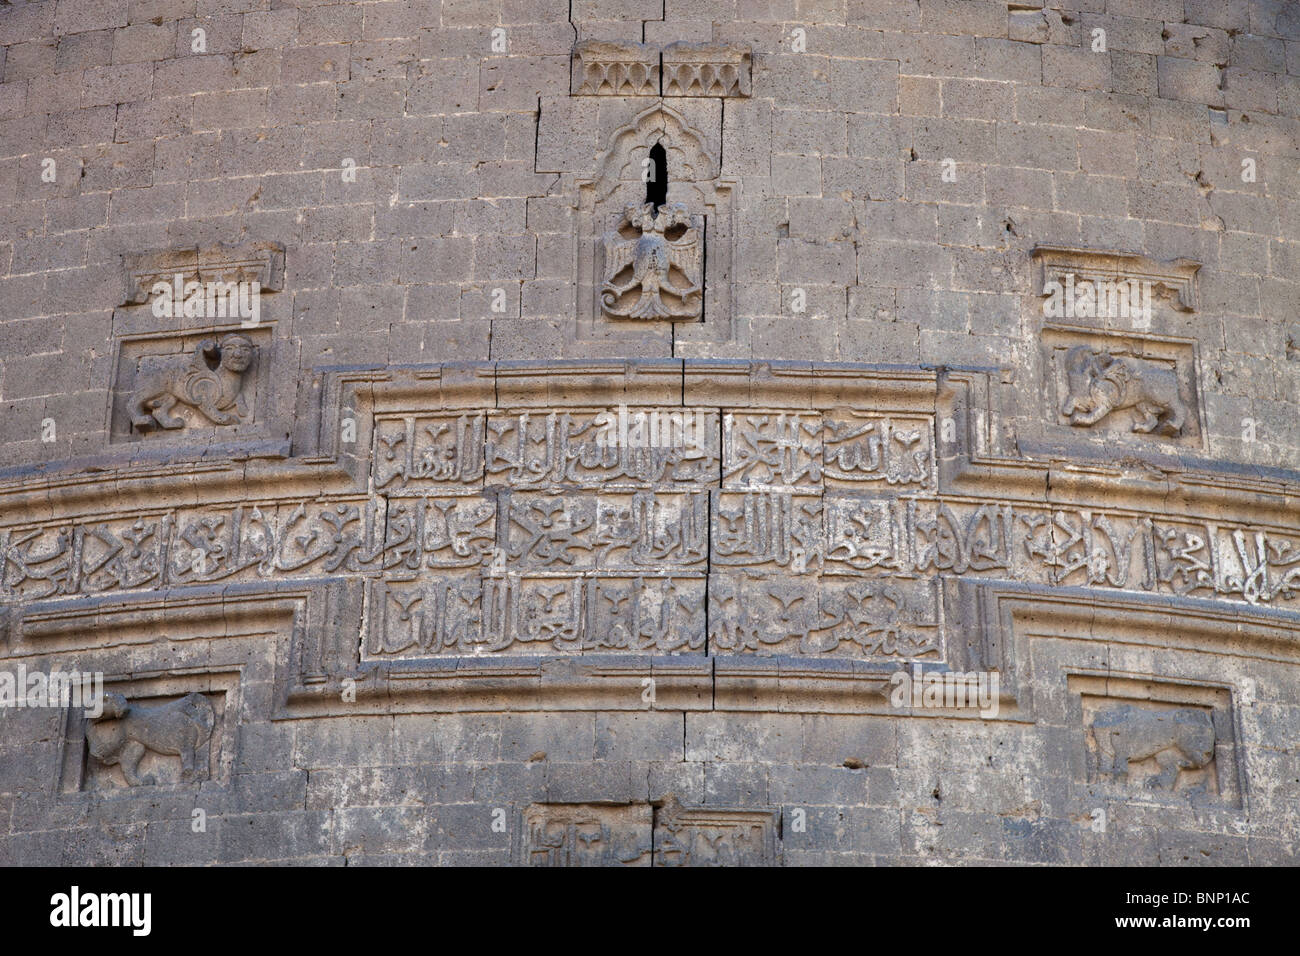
616, 431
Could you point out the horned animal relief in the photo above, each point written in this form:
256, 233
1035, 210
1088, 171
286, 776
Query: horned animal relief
1100, 383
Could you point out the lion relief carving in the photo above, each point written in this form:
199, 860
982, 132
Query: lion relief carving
124, 733
210, 380
1178, 740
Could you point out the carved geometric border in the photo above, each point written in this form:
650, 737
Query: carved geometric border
608, 68
262, 262
1174, 280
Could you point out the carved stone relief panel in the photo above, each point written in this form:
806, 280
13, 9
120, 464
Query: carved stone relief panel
655, 230
574, 834
197, 346
605, 68
650, 534
414, 452
804, 533
708, 836
837, 448
151, 734
177, 386
528, 615
1137, 388
654, 261
1155, 738
627, 446
808, 615
577, 834
861, 450
634, 446
636, 531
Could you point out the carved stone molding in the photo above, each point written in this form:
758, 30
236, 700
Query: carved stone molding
705, 69
262, 262
1174, 280
606, 68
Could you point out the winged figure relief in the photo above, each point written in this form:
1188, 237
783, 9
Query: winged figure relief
653, 264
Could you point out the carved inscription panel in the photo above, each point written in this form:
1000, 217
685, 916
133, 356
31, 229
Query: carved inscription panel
774, 531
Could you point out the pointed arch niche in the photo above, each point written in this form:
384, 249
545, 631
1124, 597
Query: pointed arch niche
693, 180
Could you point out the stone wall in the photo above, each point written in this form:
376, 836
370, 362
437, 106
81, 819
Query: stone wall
543, 514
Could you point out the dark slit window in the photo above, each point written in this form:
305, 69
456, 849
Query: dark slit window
656, 187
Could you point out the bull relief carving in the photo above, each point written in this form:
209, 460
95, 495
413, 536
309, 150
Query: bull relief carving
1108, 386
1147, 739
652, 264
210, 381
125, 733
1176, 741
1101, 383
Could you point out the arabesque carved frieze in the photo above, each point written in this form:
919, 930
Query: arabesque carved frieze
804, 533
819, 514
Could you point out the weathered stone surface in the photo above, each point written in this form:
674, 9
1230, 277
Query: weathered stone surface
667, 435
